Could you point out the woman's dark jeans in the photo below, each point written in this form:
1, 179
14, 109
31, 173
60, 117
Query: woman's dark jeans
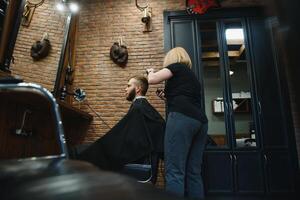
184, 145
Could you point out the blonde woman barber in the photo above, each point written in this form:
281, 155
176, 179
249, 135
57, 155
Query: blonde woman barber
186, 127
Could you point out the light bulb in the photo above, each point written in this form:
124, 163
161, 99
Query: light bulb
74, 7
60, 7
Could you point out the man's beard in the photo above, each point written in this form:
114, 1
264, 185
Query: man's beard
131, 95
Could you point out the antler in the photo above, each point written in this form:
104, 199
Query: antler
141, 8
34, 3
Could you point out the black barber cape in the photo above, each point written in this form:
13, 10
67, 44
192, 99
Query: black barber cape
139, 133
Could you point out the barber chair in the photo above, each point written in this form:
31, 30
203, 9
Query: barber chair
144, 170
30, 122
43, 175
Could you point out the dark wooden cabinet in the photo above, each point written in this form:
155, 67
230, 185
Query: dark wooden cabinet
252, 135
248, 169
279, 175
183, 33
276, 135
213, 171
227, 172
269, 98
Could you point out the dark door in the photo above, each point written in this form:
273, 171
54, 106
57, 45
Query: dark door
248, 168
277, 157
247, 162
269, 94
218, 172
183, 34
278, 172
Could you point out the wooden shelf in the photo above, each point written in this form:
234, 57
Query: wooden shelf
75, 122
240, 105
70, 111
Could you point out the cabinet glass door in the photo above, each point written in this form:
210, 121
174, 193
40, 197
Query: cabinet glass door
238, 73
213, 84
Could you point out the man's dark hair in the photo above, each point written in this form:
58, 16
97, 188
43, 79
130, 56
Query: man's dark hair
142, 81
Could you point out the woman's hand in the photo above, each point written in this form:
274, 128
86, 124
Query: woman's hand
159, 76
150, 70
161, 93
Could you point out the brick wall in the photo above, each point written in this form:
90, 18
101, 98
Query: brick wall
101, 24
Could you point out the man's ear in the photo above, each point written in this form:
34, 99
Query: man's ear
138, 89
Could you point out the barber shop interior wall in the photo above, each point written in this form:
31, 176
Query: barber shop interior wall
46, 19
101, 23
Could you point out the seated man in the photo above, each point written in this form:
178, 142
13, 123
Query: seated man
138, 134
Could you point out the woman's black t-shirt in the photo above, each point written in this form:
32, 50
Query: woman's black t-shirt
183, 92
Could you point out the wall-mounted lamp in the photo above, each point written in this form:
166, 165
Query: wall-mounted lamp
147, 16
29, 8
65, 5
79, 94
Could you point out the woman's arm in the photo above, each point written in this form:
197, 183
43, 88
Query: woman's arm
158, 77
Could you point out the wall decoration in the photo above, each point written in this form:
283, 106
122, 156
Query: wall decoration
29, 9
147, 16
200, 6
40, 49
119, 53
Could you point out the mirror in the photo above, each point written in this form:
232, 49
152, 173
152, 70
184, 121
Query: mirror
10, 18
46, 18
